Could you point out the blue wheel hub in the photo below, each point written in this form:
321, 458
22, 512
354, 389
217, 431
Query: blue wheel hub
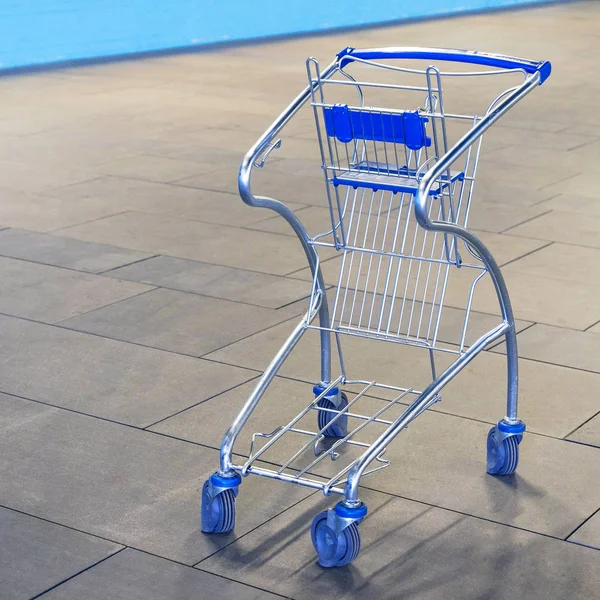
335, 535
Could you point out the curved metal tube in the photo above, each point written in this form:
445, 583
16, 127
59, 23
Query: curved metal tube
506, 328
279, 207
425, 400
424, 221
226, 469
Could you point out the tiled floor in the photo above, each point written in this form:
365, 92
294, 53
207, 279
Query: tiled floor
141, 299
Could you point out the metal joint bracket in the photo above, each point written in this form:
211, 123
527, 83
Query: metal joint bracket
334, 395
270, 148
506, 429
340, 517
218, 484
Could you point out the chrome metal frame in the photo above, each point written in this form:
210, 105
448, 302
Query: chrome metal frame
430, 170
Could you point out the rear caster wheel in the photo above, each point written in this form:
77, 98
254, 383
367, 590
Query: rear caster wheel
502, 454
339, 427
334, 549
217, 514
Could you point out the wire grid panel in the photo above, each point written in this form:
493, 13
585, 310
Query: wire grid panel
393, 275
306, 456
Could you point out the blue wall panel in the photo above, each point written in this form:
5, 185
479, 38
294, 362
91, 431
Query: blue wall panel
34, 32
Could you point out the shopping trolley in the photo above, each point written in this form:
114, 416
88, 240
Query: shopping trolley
399, 165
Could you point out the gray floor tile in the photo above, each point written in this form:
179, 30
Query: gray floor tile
153, 168
46, 213
78, 145
133, 575
550, 140
179, 321
581, 184
566, 262
122, 193
497, 175
523, 196
29, 178
35, 554
103, 377
549, 404
411, 551
217, 244
534, 297
588, 433
546, 495
52, 294
130, 486
282, 402
287, 187
549, 400
589, 533
495, 218
65, 252
567, 202
560, 160
194, 150
222, 282
559, 346
562, 226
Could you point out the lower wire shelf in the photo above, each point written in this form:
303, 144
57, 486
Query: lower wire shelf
322, 461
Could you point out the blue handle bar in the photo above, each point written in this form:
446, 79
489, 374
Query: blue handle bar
464, 56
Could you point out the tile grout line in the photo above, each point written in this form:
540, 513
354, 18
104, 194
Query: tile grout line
135, 262
512, 260
562, 180
65, 268
545, 362
500, 341
147, 427
526, 221
288, 320
580, 426
87, 312
72, 410
477, 517
41, 594
310, 495
202, 295
53, 231
239, 581
98, 335
69, 527
597, 511
546, 199
321, 262
592, 325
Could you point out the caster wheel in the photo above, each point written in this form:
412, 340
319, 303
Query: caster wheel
340, 427
218, 513
334, 549
502, 457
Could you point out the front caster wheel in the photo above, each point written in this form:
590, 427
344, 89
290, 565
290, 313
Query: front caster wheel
218, 512
334, 549
502, 454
